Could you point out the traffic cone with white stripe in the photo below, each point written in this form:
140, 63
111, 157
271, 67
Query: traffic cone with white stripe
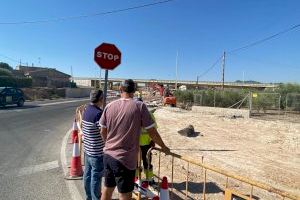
164, 190
74, 132
76, 168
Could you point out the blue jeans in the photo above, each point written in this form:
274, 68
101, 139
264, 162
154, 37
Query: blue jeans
92, 176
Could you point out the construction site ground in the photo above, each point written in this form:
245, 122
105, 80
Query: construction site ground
265, 151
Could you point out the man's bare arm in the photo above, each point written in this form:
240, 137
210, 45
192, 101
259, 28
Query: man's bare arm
157, 139
103, 133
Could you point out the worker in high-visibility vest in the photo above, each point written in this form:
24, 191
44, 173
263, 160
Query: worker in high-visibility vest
138, 94
145, 144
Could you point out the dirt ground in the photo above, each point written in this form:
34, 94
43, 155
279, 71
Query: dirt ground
265, 151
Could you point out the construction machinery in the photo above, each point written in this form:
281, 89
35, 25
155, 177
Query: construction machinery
167, 95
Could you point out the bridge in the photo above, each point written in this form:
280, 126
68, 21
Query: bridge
93, 82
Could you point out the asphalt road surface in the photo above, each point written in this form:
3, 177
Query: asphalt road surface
30, 144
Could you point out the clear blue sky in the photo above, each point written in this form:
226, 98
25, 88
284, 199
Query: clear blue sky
149, 37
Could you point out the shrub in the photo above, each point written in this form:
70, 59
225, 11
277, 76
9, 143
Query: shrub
5, 66
5, 72
8, 81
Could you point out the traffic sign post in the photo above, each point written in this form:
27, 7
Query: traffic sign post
108, 57
105, 88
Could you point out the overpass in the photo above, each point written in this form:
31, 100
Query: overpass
92, 82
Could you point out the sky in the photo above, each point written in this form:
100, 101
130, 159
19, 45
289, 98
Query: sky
150, 37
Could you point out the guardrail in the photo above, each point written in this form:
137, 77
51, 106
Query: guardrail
253, 184
185, 82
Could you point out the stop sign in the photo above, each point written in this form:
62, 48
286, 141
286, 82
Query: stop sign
107, 56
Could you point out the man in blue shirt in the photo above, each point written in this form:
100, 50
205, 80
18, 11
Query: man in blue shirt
93, 146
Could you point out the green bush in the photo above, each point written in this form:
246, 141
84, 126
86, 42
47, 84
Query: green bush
184, 96
211, 98
5, 66
285, 89
7, 81
5, 72
73, 84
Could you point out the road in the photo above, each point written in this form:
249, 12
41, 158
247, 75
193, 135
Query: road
30, 144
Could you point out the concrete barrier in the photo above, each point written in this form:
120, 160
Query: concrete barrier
77, 92
227, 112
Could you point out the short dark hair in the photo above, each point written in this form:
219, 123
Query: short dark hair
96, 95
128, 86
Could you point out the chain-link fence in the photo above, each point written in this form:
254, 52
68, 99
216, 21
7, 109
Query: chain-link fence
291, 107
224, 99
264, 105
292, 102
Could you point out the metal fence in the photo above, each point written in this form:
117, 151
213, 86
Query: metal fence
292, 102
212, 180
263, 105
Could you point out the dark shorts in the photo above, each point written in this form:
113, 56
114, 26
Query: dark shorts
116, 174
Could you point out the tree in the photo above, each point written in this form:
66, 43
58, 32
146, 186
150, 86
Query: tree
5, 66
5, 72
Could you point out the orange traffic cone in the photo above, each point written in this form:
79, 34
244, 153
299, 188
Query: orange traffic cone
76, 168
74, 132
164, 190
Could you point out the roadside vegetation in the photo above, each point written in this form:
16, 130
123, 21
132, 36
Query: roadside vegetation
287, 93
8, 79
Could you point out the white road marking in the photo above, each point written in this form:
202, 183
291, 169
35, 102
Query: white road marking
32, 169
62, 102
73, 191
37, 168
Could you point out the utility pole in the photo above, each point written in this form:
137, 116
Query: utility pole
197, 82
72, 74
223, 69
39, 58
176, 70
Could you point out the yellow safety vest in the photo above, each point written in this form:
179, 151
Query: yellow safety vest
144, 137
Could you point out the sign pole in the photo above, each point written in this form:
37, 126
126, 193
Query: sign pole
105, 88
108, 57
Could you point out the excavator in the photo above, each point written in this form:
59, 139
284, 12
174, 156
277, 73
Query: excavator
168, 97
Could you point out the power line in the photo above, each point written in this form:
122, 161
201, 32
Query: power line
265, 39
13, 59
251, 45
9, 58
211, 67
86, 15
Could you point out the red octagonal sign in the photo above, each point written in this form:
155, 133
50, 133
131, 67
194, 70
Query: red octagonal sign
107, 56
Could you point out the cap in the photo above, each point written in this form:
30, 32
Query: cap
96, 95
128, 86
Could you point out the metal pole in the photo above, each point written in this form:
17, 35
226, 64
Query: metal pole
172, 176
187, 181
72, 79
204, 186
279, 106
105, 88
250, 104
214, 98
197, 82
176, 70
223, 70
100, 79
